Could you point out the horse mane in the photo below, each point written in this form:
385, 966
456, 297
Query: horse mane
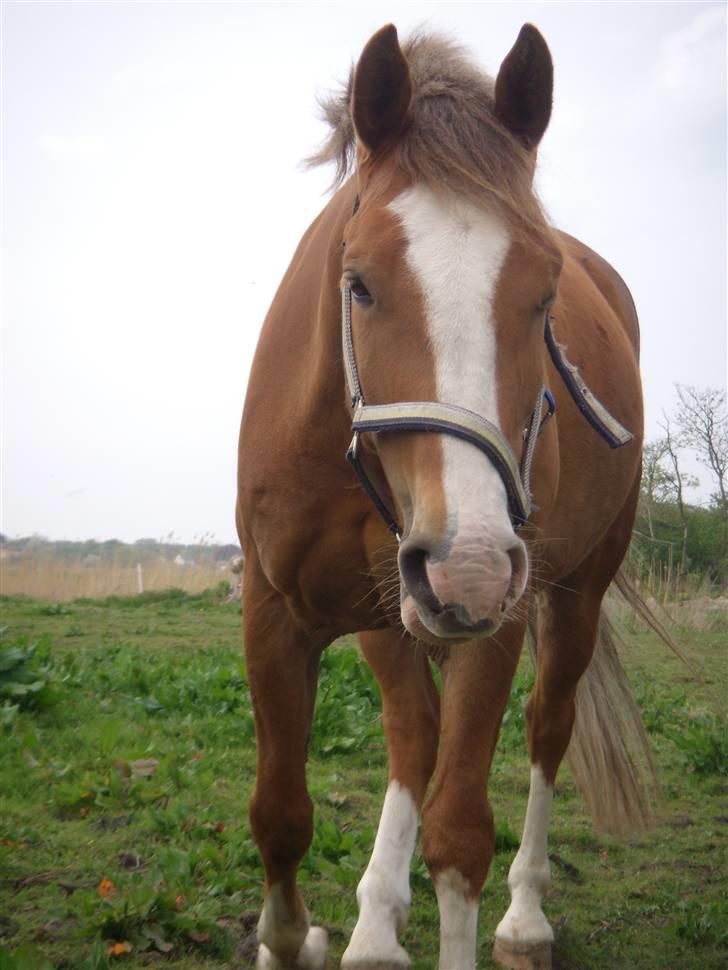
453, 141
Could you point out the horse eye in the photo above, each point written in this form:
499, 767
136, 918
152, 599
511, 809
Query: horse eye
360, 293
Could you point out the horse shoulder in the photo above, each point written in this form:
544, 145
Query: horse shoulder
298, 504
608, 281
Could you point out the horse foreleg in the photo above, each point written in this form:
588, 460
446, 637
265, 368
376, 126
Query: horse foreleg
567, 629
458, 837
568, 623
524, 936
282, 667
410, 712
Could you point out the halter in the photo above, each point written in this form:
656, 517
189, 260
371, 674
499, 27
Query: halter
459, 422
443, 419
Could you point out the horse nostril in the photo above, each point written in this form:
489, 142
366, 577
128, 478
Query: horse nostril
413, 569
519, 569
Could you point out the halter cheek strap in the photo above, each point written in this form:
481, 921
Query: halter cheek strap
604, 423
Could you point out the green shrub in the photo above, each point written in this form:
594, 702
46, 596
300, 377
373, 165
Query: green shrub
25, 677
348, 708
703, 743
702, 924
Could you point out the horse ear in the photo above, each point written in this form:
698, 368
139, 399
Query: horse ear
524, 87
382, 90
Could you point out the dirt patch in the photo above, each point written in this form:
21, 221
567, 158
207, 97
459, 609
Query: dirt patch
559, 961
244, 930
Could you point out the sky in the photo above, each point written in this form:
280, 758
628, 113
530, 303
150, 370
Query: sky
152, 196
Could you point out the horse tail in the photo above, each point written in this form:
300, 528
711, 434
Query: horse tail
609, 754
633, 599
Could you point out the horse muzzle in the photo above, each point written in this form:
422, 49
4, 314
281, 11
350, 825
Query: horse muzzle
461, 593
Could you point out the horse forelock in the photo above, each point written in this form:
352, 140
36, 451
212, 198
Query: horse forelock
453, 141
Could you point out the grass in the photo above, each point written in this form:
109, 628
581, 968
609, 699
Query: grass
127, 758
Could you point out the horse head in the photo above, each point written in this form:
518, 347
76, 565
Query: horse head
450, 269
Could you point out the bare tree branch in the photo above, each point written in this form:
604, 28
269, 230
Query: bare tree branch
657, 483
677, 481
703, 422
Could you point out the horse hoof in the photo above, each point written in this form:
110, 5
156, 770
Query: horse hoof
522, 956
371, 951
311, 956
375, 964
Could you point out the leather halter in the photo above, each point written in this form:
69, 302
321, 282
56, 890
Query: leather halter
435, 416
459, 422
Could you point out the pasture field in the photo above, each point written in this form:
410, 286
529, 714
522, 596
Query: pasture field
127, 758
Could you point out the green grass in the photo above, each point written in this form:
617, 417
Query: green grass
127, 758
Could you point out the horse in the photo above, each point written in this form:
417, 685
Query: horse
486, 365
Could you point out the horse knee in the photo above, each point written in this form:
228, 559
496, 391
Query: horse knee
282, 828
549, 724
458, 848
460, 839
412, 746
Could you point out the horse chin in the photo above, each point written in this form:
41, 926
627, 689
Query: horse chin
439, 629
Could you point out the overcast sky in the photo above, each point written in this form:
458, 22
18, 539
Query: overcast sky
152, 197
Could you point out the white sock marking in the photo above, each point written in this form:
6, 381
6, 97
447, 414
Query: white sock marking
278, 932
383, 894
529, 876
458, 922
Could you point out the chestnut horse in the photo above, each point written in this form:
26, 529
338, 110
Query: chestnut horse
464, 315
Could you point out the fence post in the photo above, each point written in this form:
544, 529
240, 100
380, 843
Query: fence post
140, 580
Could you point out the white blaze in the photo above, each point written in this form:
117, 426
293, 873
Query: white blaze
456, 252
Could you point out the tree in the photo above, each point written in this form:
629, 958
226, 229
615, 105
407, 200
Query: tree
703, 422
666, 519
663, 512
656, 481
676, 482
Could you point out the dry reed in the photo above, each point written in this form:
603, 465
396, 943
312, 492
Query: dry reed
54, 579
